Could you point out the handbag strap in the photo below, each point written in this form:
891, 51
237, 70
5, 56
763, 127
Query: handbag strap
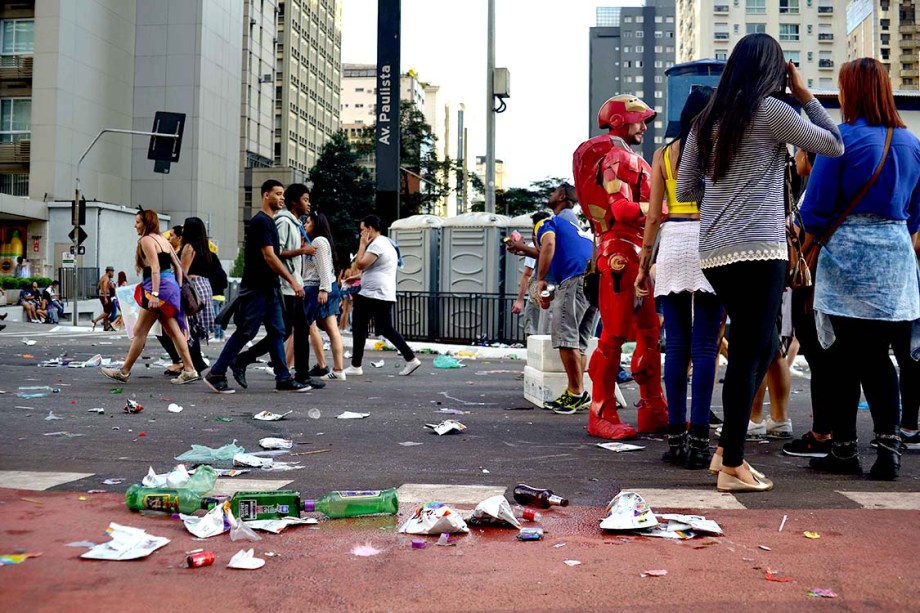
859, 196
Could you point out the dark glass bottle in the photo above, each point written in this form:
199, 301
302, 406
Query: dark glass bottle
526, 495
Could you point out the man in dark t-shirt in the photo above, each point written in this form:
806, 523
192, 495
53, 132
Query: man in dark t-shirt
259, 302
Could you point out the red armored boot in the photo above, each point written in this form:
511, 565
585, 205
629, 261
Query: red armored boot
603, 419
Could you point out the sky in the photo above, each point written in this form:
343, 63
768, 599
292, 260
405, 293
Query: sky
544, 45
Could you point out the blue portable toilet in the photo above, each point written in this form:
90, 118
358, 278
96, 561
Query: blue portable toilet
684, 78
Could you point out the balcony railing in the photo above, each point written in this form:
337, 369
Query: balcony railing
15, 154
15, 68
720, 8
825, 10
826, 37
825, 63
721, 35
14, 184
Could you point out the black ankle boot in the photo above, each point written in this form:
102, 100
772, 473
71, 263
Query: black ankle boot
888, 463
677, 445
698, 455
842, 460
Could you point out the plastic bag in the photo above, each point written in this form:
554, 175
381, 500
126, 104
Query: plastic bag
494, 510
200, 454
446, 361
202, 481
434, 518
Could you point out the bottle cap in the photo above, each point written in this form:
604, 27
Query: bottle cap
309, 506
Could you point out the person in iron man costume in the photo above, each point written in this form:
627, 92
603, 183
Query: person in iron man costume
612, 183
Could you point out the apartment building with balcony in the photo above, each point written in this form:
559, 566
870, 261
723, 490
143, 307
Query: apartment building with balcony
887, 30
811, 32
629, 50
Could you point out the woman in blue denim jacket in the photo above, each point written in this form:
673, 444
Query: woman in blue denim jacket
866, 289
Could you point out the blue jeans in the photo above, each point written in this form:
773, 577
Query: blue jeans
691, 324
256, 308
217, 332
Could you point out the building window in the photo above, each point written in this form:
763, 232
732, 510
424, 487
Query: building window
359, 89
736, 28
659, 93
755, 28
627, 34
659, 78
789, 32
638, 63
627, 20
792, 56
790, 7
640, 93
17, 36
669, 19
721, 31
755, 7
640, 49
659, 49
15, 119
721, 55
640, 34
658, 19
811, 83
640, 19
640, 79
659, 34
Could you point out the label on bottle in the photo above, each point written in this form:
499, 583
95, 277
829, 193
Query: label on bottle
359, 494
161, 502
250, 509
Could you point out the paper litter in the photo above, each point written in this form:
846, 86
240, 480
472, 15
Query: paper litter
447, 426
434, 518
494, 510
246, 559
269, 416
127, 544
352, 415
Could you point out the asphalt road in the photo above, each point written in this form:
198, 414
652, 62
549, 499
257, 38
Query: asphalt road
507, 441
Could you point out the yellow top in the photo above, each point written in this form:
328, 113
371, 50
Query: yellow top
675, 207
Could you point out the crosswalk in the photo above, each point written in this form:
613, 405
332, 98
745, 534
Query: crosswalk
469, 495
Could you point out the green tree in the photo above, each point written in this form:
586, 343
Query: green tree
342, 190
519, 200
237, 269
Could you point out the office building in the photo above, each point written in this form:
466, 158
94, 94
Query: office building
629, 50
886, 30
811, 32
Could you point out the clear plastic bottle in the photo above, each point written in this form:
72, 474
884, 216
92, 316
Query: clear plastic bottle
526, 513
354, 503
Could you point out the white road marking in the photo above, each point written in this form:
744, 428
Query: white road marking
686, 499
901, 501
229, 486
448, 494
37, 481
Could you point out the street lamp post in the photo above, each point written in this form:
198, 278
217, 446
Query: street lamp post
490, 110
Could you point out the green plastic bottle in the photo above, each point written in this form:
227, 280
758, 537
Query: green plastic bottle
265, 505
354, 503
140, 498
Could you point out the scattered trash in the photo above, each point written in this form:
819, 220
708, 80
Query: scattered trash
28, 342
526, 495
444, 540
434, 518
247, 459
225, 420
8, 559
494, 510
35, 391
452, 412
277, 526
98, 410
770, 576
200, 454
199, 559
696, 523
83, 544
269, 416
174, 408
214, 522
764, 547
177, 478
445, 361
782, 524
464, 402
418, 544
132, 406
572, 562
352, 415
127, 544
117, 481
275, 443
117, 390
618, 447
530, 534
365, 551
314, 414
811, 535
446, 427
558, 545
378, 364
52, 416
410, 443
246, 560
63, 434
239, 531
821, 592
628, 511
654, 573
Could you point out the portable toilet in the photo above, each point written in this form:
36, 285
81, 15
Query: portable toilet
514, 267
419, 240
473, 262
684, 78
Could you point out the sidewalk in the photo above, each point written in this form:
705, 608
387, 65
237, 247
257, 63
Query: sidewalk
867, 557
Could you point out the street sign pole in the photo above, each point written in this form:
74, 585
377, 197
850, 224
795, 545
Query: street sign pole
76, 248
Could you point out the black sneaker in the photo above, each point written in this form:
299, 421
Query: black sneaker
239, 374
837, 466
714, 420
808, 447
317, 385
218, 383
317, 371
291, 385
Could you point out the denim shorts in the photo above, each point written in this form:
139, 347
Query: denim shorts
333, 304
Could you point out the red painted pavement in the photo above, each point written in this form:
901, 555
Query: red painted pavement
869, 558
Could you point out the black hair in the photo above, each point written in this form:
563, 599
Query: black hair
294, 192
269, 185
755, 70
373, 221
177, 231
322, 228
697, 100
195, 236
540, 216
568, 192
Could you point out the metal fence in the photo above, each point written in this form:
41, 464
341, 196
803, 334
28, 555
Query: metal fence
89, 277
458, 318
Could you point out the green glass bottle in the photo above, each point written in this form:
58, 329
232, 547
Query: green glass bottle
354, 503
265, 505
140, 498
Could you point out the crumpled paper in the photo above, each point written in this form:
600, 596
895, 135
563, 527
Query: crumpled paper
434, 518
277, 526
446, 427
269, 416
179, 478
275, 443
628, 511
213, 523
127, 544
245, 559
494, 510
247, 459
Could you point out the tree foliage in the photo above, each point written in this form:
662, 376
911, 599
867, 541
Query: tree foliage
342, 190
519, 200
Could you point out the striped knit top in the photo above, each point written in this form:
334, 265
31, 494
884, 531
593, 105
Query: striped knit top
742, 215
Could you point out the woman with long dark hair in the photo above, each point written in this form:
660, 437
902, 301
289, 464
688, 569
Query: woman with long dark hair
733, 164
327, 316
692, 311
196, 257
866, 286
158, 296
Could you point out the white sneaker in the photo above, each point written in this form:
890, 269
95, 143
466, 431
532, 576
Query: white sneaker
755, 431
410, 367
352, 371
334, 375
778, 429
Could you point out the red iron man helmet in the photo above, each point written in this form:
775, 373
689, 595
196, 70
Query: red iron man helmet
622, 110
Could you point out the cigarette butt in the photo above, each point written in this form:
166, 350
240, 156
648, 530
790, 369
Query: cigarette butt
783, 523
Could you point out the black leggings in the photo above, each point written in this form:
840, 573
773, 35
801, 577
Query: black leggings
860, 354
908, 380
819, 363
194, 350
380, 311
752, 293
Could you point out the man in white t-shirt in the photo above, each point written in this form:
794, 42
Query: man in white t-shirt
377, 261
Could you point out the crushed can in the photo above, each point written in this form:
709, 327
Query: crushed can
202, 558
133, 406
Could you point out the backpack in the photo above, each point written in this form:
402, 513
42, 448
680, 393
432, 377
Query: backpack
217, 277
